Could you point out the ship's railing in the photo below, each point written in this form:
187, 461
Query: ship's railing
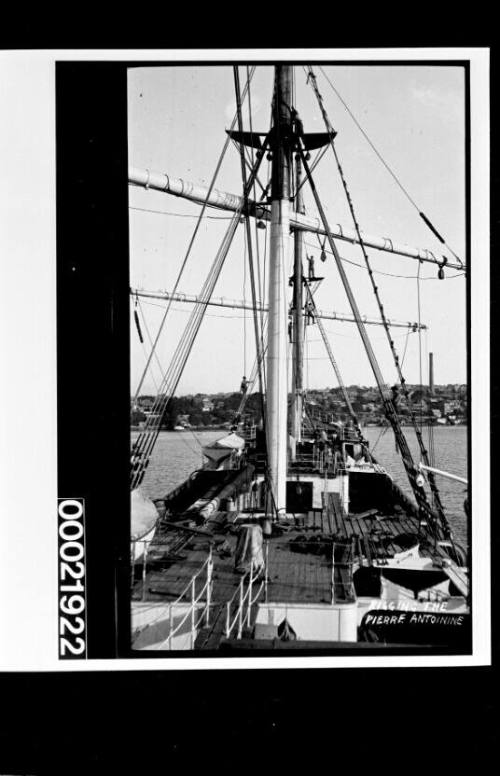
195, 598
133, 553
245, 600
248, 433
304, 459
260, 460
320, 460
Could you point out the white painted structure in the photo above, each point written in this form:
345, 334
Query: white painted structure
313, 622
277, 377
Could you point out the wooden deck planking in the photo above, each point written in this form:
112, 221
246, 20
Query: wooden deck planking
331, 523
293, 577
297, 577
390, 529
335, 521
346, 529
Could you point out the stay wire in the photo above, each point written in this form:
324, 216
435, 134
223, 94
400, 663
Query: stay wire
406, 346
188, 252
248, 232
379, 271
245, 252
146, 327
419, 341
333, 362
405, 450
179, 215
257, 252
257, 247
390, 171
143, 446
143, 443
309, 244
384, 429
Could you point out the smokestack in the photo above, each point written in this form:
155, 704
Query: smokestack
431, 373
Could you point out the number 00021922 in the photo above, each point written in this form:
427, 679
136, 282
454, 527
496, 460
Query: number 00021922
72, 603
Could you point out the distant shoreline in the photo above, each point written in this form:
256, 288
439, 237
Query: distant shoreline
191, 428
225, 428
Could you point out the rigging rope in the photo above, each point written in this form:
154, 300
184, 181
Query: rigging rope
256, 231
180, 215
312, 307
248, 165
379, 271
314, 164
195, 232
389, 170
143, 446
248, 232
406, 346
144, 323
419, 343
253, 373
138, 306
137, 324
244, 311
389, 405
347, 261
430, 426
384, 429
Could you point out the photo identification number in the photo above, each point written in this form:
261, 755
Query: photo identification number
72, 599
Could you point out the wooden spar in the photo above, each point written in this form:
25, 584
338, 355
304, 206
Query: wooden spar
237, 304
226, 201
298, 320
442, 473
277, 327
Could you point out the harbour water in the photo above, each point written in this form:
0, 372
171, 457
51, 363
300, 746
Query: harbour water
178, 453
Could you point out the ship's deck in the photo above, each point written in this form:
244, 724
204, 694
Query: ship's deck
298, 555
292, 576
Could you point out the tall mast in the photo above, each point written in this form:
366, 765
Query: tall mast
277, 387
298, 321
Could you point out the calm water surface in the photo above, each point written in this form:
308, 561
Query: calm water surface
178, 453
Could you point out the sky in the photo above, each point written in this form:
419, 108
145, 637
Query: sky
414, 115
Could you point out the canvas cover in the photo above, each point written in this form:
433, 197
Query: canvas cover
223, 447
249, 548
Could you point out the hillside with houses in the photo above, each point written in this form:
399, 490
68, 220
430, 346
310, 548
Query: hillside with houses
444, 405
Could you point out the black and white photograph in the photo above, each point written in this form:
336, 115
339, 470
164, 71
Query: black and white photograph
251, 359
299, 381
